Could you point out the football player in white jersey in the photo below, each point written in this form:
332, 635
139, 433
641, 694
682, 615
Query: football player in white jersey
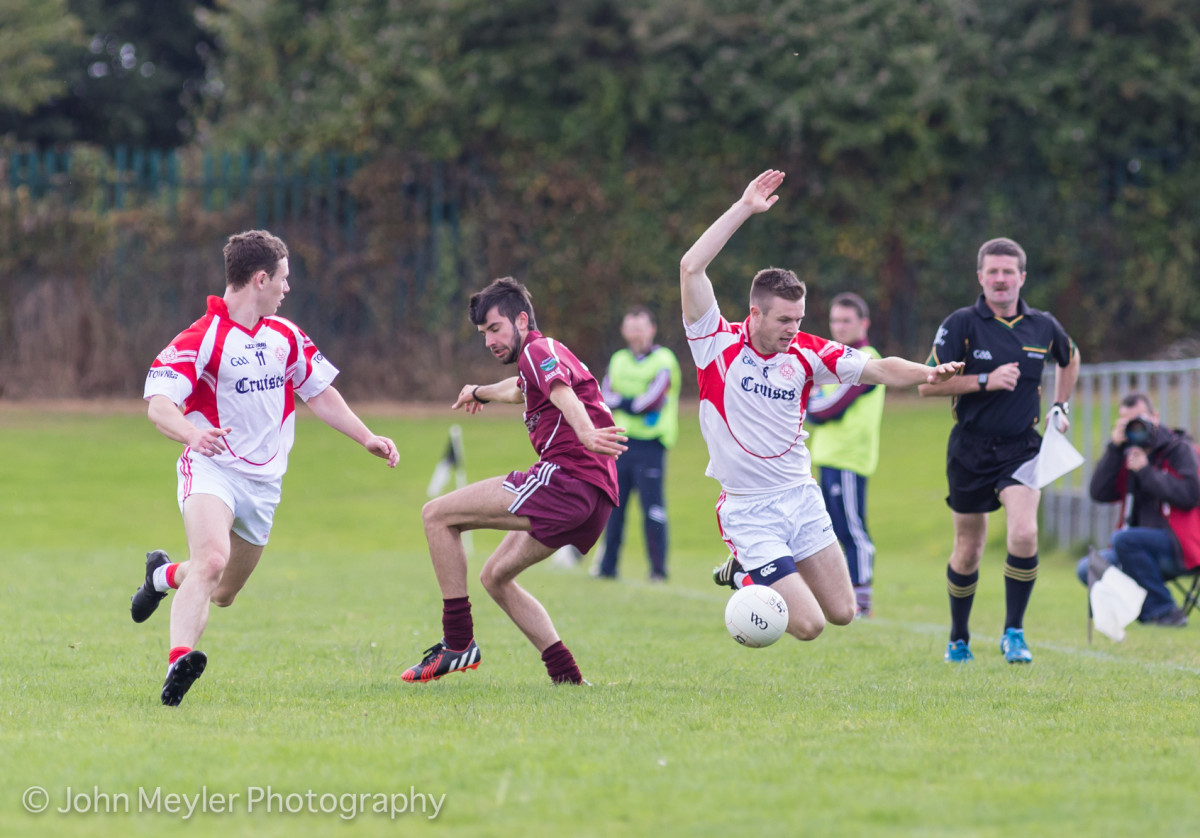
755, 378
225, 387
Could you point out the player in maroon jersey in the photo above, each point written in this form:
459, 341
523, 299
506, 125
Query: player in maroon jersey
565, 498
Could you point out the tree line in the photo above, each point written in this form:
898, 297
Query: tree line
584, 145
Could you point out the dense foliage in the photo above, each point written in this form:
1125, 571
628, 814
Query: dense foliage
584, 145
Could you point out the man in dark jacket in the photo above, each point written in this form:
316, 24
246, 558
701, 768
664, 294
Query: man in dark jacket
1146, 466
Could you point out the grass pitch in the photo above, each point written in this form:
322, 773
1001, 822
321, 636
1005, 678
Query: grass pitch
301, 725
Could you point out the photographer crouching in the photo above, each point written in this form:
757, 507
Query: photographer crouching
1152, 470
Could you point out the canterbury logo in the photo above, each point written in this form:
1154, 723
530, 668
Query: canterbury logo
768, 570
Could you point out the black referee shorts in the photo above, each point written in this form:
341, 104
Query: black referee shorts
978, 467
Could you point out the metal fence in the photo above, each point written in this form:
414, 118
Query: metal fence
1174, 386
280, 186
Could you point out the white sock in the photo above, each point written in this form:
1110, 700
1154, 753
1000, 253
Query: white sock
160, 579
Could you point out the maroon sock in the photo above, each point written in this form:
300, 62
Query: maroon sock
458, 629
560, 663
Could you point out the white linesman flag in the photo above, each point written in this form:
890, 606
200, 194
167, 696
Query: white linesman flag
451, 464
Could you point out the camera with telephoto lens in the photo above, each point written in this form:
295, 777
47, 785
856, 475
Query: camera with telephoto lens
1139, 431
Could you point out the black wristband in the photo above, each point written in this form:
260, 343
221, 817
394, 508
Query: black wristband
475, 395
1065, 407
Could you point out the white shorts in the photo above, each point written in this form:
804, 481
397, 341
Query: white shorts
251, 501
758, 529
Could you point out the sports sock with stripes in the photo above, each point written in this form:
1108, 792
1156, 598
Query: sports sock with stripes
176, 653
961, 587
1019, 576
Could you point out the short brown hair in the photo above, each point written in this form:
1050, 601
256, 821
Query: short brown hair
1000, 247
848, 299
775, 282
250, 252
1135, 398
641, 311
505, 294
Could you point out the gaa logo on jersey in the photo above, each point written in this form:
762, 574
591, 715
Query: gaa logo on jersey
168, 355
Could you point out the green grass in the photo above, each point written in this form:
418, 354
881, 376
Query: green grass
862, 732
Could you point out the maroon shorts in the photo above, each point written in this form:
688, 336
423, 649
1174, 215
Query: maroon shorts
562, 509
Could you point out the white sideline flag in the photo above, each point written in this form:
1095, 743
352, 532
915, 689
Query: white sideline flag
450, 465
1056, 457
453, 464
1116, 602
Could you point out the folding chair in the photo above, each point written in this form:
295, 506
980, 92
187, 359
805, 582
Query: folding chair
1188, 585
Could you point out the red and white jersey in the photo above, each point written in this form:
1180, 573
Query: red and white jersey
752, 405
227, 377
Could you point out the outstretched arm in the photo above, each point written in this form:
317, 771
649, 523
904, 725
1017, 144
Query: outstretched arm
696, 289
600, 440
899, 372
332, 409
473, 397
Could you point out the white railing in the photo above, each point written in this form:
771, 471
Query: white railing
1068, 513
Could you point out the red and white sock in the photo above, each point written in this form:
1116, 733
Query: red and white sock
177, 652
164, 578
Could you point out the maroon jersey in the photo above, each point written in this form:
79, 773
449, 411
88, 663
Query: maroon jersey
543, 362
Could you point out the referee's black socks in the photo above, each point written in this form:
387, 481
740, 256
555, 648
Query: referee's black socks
961, 587
1019, 576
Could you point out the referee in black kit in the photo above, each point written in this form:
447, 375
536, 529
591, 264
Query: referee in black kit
997, 401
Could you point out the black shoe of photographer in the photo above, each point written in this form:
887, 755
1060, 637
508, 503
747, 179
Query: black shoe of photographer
1174, 618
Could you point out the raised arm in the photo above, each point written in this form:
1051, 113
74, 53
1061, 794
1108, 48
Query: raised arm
600, 440
331, 408
900, 372
696, 289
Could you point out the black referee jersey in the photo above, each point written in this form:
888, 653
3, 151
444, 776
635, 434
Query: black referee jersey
984, 341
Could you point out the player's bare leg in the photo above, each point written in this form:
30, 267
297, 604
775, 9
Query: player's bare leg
206, 520
482, 505
517, 552
827, 576
478, 506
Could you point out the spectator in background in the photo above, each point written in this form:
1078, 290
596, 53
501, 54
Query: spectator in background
642, 390
1148, 468
847, 446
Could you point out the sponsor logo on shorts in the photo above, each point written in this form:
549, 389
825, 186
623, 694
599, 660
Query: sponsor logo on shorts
981, 355
259, 385
767, 391
768, 570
